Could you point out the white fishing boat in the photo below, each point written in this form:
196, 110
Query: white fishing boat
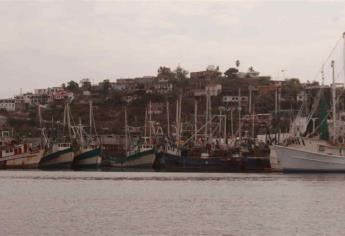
323, 154
312, 156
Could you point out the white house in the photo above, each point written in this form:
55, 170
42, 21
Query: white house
8, 104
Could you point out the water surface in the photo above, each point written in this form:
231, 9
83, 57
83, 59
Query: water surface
124, 203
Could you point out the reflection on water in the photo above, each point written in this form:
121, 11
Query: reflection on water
124, 203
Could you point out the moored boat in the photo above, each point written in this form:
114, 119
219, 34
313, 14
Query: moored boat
302, 159
88, 154
142, 157
325, 152
200, 162
59, 156
20, 156
88, 158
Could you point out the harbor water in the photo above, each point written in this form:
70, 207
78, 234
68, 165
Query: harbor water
124, 203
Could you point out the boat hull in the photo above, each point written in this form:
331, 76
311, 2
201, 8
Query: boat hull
140, 160
293, 159
89, 159
274, 161
171, 162
57, 160
25, 161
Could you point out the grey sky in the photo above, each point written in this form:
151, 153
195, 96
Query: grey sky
46, 43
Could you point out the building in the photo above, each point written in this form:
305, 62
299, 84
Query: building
130, 98
117, 86
211, 73
157, 108
125, 84
85, 83
235, 99
145, 80
8, 104
47, 91
42, 91
251, 73
213, 89
63, 95
33, 99
163, 87
199, 92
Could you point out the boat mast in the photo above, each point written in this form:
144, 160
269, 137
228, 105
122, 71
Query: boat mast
90, 117
334, 103
231, 122
179, 118
150, 123
177, 121
64, 118
206, 115
168, 119
239, 114
195, 119
210, 115
68, 120
344, 55
225, 124
45, 139
126, 131
40, 116
81, 133
253, 122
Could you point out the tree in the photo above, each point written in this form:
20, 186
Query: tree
165, 73
106, 86
73, 86
291, 87
231, 73
237, 63
180, 73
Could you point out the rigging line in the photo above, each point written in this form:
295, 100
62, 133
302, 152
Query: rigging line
326, 117
327, 58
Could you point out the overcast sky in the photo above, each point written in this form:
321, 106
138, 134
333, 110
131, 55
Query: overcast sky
46, 43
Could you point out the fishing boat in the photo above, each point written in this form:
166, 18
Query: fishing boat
88, 153
58, 154
320, 154
20, 156
198, 159
88, 157
207, 150
138, 155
